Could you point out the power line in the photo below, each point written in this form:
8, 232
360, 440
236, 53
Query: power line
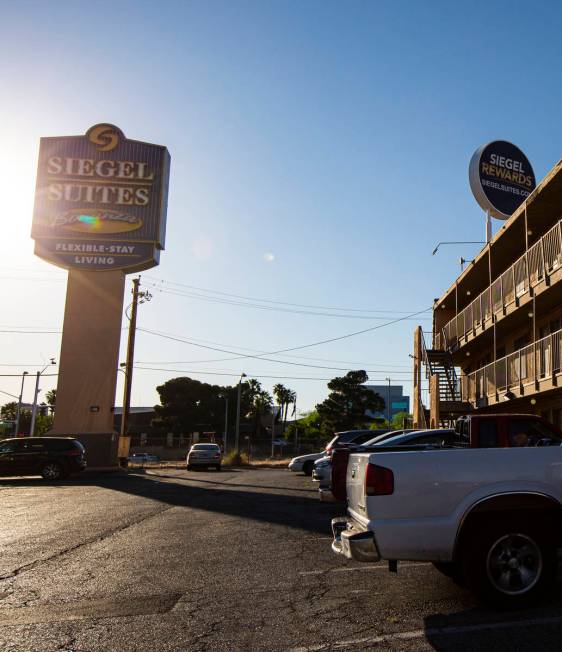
246, 348
19, 375
30, 332
237, 374
296, 348
283, 303
241, 304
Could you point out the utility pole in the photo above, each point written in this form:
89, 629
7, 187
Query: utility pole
225, 423
19, 404
237, 436
124, 440
296, 429
388, 403
37, 390
272, 430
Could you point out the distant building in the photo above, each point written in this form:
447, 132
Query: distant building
139, 417
398, 402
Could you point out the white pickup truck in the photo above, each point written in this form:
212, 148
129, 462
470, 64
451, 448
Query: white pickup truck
488, 517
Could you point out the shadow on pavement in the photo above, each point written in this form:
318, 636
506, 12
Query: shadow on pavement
286, 509
478, 628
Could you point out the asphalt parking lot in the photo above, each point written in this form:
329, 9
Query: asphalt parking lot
237, 560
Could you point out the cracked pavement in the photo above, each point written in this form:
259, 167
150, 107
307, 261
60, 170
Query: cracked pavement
237, 560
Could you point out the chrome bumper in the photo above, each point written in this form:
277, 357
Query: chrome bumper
352, 542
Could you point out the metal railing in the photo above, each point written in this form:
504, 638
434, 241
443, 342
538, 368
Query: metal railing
543, 258
530, 364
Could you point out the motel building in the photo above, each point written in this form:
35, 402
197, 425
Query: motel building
496, 344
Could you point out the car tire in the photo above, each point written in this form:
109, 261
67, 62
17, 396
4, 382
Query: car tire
218, 467
189, 467
510, 564
308, 467
52, 471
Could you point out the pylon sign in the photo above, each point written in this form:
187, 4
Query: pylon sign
501, 178
101, 201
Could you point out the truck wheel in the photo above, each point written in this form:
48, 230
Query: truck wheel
307, 468
510, 565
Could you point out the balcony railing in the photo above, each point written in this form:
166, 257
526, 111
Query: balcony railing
515, 371
543, 258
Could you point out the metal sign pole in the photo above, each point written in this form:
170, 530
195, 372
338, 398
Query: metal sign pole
488, 226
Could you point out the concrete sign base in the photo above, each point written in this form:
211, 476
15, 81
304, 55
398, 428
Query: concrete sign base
89, 361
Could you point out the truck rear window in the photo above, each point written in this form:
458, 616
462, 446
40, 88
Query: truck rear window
488, 433
528, 432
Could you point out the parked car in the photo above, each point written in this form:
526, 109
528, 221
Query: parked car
140, 458
55, 458
204, 455
349, 437
487, 516
305, 463
323, 468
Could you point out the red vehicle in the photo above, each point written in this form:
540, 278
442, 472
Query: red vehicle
472, 431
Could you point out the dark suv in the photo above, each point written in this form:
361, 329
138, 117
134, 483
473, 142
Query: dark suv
52, 457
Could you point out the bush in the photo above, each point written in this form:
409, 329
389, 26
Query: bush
235, 458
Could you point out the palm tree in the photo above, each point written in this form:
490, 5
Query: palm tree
51, 397
261, 405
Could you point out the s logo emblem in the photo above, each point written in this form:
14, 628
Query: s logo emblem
105, 137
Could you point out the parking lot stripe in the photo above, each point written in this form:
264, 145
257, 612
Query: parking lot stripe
431, 632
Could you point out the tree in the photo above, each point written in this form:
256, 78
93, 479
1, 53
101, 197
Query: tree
260, 403
188, 404
348, 402
399, 419
9, 410
284, 397
309, 427
51, 398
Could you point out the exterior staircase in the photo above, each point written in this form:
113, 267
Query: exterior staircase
451, 405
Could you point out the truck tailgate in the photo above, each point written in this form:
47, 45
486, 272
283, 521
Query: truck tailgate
433, 489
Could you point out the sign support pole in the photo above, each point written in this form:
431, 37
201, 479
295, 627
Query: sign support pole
488, 226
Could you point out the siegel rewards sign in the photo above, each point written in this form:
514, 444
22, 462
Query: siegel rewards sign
100, 201
501, 177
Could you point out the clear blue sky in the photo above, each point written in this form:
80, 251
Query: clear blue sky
319, 152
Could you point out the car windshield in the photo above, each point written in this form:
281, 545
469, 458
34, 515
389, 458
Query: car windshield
435, 437
205, 447
383, 437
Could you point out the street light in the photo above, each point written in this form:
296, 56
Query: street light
37, 390
25, 373
237, 437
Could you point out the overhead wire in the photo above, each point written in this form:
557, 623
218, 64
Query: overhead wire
296, 348
232, 302
284, 303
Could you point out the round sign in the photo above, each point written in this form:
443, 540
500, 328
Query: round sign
501, 177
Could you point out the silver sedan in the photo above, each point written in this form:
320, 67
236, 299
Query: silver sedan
204, 455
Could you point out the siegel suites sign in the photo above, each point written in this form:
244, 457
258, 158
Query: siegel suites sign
100, 201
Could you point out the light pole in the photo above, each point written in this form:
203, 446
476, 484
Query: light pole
225, 435
237, 436
388, 403
37, 390
25, 373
